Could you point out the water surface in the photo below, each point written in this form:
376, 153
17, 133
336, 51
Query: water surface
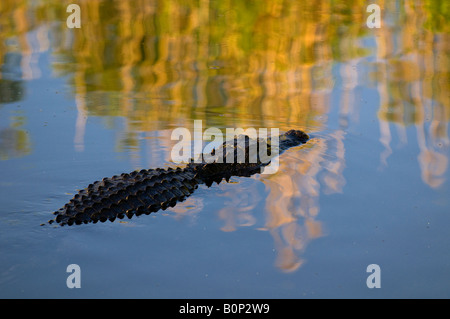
370, 187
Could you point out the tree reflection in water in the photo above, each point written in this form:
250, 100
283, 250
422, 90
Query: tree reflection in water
162, 64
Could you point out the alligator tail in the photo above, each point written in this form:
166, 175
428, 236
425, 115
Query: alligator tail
136, 193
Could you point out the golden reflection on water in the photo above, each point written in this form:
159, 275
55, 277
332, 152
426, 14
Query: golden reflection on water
292, 204
162, 64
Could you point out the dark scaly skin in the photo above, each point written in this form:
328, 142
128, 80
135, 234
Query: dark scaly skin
149, 190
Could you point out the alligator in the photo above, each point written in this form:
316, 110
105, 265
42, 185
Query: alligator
149, 190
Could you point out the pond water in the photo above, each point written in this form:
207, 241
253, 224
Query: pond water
371, 186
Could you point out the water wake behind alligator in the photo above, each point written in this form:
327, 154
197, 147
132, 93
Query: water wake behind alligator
149, 190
